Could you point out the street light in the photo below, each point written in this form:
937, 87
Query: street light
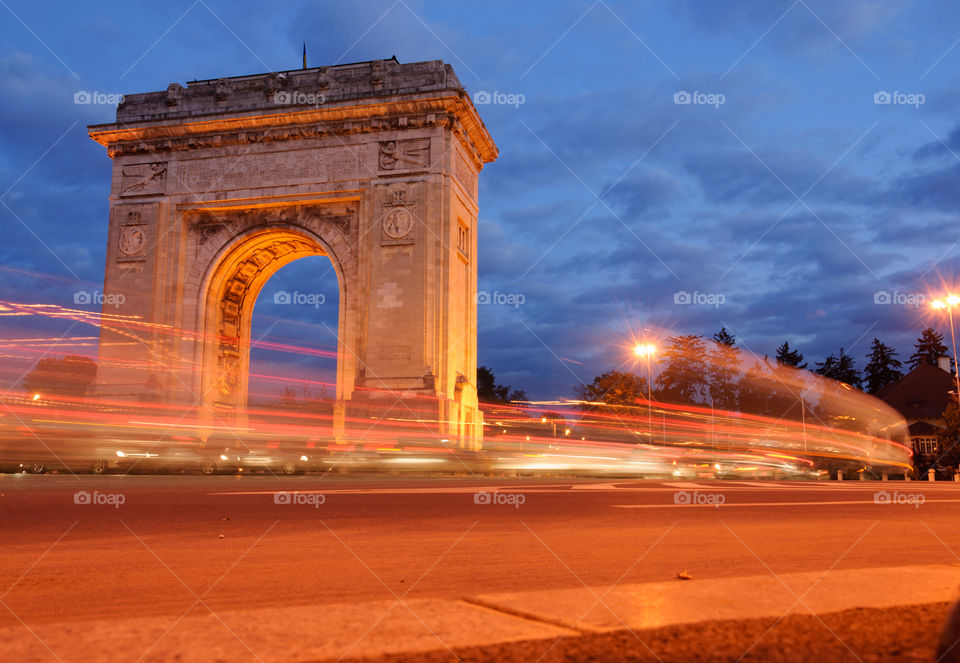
948, 303
646, 351
543, 420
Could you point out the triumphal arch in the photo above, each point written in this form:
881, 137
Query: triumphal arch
218, 184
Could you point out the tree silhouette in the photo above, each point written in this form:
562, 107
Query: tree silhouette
790, 357
883, 367
723, 337
613, 388
488, 391
724, 368
948, 438
929, 348
772, 389
684, 376
840, 368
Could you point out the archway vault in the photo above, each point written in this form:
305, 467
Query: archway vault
234, 284
239, 250
218, 185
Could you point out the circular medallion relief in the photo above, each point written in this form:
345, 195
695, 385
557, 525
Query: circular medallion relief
397, 223
132, 240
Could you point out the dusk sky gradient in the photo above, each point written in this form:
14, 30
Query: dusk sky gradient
792, 207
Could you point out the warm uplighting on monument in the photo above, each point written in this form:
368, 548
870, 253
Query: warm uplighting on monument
415, 168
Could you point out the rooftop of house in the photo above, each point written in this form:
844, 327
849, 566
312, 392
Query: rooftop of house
923, 393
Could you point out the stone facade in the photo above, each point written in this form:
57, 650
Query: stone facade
219, 184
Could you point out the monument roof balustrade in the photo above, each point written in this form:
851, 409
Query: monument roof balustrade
383, 94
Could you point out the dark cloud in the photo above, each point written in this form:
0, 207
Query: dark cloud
935, 189
808, 28
937, 149
686, 207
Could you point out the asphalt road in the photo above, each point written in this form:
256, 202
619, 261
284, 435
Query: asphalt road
228, 541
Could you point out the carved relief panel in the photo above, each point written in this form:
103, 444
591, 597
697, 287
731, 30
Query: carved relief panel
409, 154
142, 179
134, 223
399, 217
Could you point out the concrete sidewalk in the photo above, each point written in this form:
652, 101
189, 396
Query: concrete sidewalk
652, 605
371, 629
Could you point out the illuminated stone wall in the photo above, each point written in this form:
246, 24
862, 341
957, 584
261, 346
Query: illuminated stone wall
218, 184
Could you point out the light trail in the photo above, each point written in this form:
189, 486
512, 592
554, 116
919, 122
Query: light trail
801, 425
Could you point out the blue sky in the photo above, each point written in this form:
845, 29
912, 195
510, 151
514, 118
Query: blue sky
782, 205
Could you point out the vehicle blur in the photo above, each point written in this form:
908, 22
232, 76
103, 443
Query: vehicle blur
820, 428
789, 423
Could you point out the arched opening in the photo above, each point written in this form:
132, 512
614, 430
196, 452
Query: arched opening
234, 285
293, 348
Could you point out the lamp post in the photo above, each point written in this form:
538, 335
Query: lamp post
647, 350
948, 303
543, 420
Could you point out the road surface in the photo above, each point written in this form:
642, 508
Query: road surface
111, 547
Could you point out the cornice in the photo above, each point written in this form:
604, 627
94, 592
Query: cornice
450, 109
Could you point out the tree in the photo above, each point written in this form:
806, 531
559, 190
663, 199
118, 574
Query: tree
883, 367
723, 337
724, 367
948, 438
684, 376
488, 391
518, 395
72, 375
773, 389
840, 368
787, 386
486, 385
789, 357
613, 388
929, 348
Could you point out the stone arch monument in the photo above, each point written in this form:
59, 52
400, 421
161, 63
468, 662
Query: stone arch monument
219, 184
